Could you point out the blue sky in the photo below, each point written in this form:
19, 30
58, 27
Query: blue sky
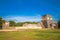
29, 10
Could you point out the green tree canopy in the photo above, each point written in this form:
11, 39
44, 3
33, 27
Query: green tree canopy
12, 23
0, 22
59, 24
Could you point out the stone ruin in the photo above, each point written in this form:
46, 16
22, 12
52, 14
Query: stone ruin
5, 25
48, 22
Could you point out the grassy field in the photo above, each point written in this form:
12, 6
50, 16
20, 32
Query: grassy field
31, 35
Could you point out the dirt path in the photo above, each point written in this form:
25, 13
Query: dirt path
8, 30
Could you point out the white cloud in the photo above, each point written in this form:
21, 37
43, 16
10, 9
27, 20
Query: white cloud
24, 18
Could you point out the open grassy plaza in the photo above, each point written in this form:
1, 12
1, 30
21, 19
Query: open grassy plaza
30, 35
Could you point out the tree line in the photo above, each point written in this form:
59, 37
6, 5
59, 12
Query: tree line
13, 23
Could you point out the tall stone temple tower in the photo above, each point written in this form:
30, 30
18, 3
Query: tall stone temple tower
47, 21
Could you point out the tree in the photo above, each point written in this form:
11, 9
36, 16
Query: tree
0, 22
3, 21
12, 23
59, 24
20, 23
31, 22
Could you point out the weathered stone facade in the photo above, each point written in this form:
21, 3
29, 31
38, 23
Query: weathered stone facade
5, 25
48, 22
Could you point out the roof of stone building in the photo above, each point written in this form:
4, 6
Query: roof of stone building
46, 15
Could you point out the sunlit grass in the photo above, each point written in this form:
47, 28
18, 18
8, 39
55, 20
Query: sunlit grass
31, 35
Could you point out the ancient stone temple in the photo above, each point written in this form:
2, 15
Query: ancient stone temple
48, 22
5, 25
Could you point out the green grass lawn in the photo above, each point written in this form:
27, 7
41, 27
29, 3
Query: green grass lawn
31, 35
